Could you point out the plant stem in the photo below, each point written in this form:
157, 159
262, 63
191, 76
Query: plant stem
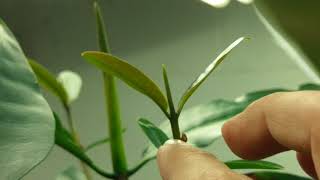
175, 126
174, 116
77, 140
115, 125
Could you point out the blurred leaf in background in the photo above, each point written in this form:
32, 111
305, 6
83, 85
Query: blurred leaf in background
295, 25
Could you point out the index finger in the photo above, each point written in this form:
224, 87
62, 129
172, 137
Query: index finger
277, 123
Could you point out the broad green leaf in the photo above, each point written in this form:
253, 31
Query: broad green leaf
202, 124
72, 83
203, 76
274, 175
48, 81
155, 135
64, 140
26, 120
129, 74
245, 164
299, 40
72, 173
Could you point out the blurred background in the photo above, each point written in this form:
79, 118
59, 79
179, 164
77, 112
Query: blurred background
183, 34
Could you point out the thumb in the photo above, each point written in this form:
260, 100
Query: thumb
180, 161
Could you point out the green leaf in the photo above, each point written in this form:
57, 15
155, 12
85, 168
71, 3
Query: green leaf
168, 90
202, 124
203, 76
245, 164
272, 175
48, 81
72, 83
26, 120
129, 74
64, 140
72, 173
309, 86
155, 135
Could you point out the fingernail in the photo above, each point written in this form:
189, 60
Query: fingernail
173, 141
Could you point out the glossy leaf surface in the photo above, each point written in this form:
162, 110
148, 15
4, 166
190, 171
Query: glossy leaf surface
72, 173
26, 120
245, 164
129, 74
155, 135
48, 81
72, 83
203, 76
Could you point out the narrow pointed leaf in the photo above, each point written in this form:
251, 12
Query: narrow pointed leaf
168, 90
272, 175
245, 164
64, 140
207, 72
155, 135
71, 83
129, 74
72, 173
48, 81
26, 120
310, 86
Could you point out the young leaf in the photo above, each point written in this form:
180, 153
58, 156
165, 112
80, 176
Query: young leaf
26, 120
206, 73
245, 164
48, 81
155, 135
72, 173
168, 90
64, 140
272, 175
71, 83
129, 74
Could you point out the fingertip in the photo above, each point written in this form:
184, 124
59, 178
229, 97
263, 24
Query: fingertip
166, 155
247, 136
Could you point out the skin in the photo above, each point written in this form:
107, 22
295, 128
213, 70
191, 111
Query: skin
271, 125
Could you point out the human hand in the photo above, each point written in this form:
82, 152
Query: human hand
273, 124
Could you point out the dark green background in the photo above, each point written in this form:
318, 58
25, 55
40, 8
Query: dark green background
183, 34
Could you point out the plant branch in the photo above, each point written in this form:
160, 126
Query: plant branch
139, 166
76, 138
